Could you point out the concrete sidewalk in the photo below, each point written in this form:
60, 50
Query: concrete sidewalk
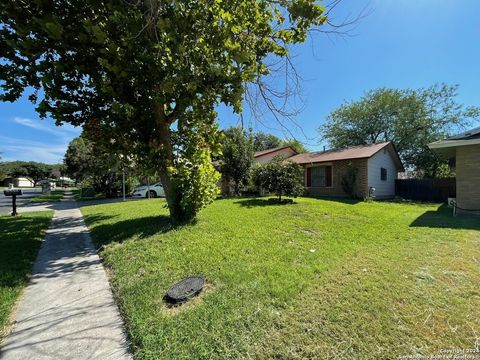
67, 311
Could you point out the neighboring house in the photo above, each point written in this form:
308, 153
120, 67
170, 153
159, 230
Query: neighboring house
265, 156
19, 182
465, 149
47, 184
64, 181
377, 164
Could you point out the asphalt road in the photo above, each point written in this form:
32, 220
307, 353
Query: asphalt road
6, 201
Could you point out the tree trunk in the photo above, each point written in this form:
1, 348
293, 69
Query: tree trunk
162, 138
164, 144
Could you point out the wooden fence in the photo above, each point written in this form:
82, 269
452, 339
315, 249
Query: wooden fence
425, 189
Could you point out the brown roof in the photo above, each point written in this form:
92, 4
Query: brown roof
354, 152
268, 151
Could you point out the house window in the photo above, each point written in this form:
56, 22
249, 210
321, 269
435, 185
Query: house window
383, 174
319, 176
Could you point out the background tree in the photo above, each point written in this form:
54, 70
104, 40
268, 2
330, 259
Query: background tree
147, 75
38, 171
3, 172
88, 160
237, 157
296, 144
409, 118
76, 159
265, 141
34, 170
280, 177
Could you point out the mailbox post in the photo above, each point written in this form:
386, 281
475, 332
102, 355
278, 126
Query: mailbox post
13, 193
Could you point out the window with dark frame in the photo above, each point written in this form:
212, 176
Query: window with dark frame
319, 176
383, 174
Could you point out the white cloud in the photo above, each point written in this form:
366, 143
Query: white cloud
64, 131
27, 150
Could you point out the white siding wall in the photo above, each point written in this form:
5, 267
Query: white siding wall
383, 189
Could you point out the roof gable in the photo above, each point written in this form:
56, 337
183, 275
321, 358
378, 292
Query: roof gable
446, 148
350, 153
269, 151
467, 135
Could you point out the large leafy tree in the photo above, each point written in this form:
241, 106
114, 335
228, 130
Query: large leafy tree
147, 75
237, 157
265, 141
34, 170
409, 118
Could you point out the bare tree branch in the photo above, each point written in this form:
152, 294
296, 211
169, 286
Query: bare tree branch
279, 95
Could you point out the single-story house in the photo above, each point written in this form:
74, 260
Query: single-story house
64, 181
378, 166
265, 156
464, 149
19, 182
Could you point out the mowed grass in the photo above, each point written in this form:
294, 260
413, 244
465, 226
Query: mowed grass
20, 239
314, 279
55, 196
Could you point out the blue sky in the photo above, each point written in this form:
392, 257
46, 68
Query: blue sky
400, 44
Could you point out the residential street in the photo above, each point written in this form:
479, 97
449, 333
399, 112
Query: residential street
6, 201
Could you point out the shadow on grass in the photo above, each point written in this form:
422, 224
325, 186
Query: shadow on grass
119, 231
20, 239
254, 202
443, 218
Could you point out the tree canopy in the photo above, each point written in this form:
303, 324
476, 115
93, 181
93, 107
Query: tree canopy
91, 162
237, 156
265, 141
409, 118
34, 170
145, 76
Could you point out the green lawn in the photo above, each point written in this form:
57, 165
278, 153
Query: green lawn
54, 196
315, 279
20, 239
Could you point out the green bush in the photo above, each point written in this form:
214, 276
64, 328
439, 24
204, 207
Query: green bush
280, 177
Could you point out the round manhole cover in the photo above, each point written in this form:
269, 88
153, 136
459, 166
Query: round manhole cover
185, 289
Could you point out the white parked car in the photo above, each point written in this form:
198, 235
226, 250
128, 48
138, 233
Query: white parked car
149, 191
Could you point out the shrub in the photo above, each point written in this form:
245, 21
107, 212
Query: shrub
280, 177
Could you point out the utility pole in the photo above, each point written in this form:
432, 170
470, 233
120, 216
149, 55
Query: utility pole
123, 183
148, 187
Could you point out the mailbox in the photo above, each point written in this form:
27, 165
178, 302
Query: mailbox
12, 192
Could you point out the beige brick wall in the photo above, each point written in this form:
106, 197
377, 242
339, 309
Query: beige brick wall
468, 177
339, 168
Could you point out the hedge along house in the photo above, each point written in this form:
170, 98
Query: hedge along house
377, 166
464, 149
